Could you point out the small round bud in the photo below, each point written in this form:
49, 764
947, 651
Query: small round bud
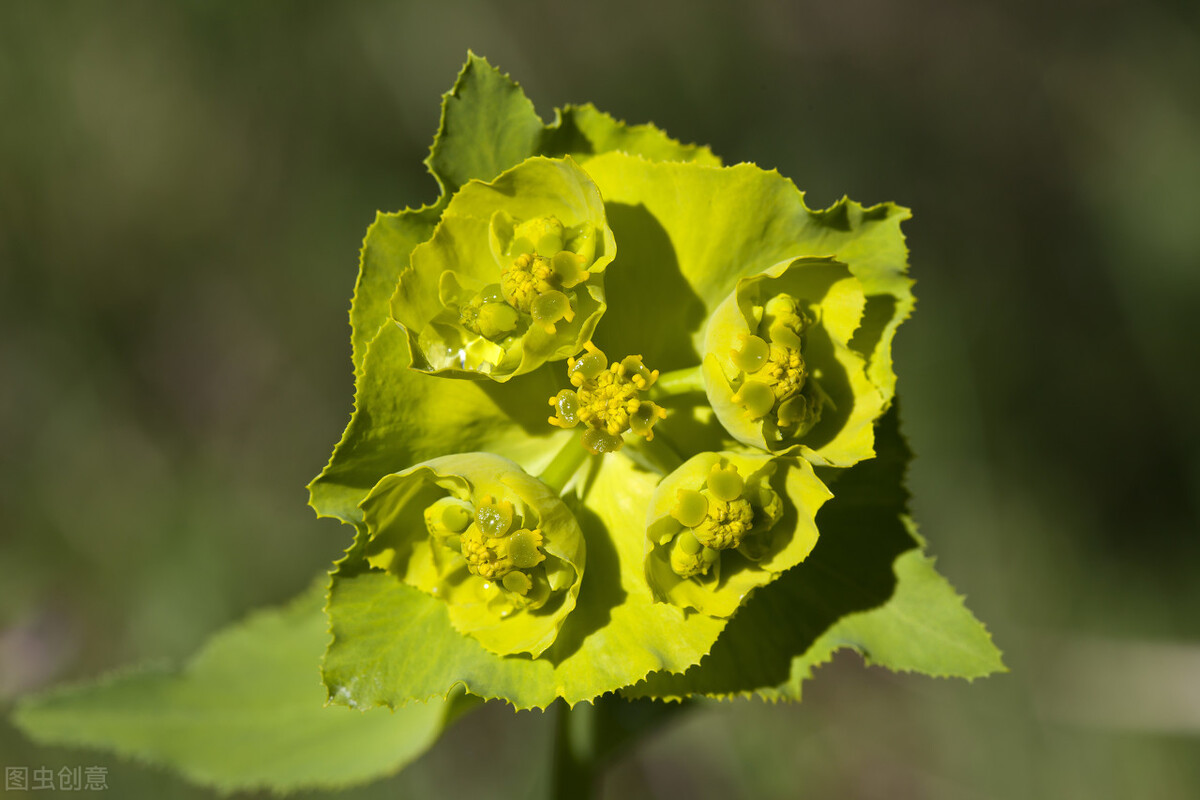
566, 409
541, 236
569, 269
448, 515
689, 558
588, 366
756, 397
517, 582
523, 549
550, 307
496, 319
688, 543
600, 442
751, 353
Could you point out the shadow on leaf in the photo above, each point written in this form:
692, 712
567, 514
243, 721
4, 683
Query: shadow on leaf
850, 570
652, 309
599, 593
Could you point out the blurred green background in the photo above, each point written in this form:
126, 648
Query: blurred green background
183, 191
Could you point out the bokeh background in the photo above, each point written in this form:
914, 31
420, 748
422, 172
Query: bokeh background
183, 191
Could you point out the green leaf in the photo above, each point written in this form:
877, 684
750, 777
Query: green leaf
870, 240
402, 416
384, 255
393, 644
247, 712
688, 233
487, 126
583, 132
867, 585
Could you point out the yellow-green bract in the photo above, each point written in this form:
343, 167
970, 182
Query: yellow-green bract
778, 367
724, 524
512, 276
494, 543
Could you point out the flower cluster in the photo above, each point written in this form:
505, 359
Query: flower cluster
752, 339
607, 399
668, 531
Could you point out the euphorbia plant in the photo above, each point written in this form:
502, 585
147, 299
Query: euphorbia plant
625, 428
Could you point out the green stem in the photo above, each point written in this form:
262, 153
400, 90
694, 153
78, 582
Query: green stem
678, 381
657, 453
566, 463
588, 737
574, 770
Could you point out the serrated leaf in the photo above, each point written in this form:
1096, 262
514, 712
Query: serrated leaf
247, 712
402, 417
384, 255
393, 644
924, 627
487, 126
583, 132
867, 585
687, 233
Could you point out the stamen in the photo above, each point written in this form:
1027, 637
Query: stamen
481, 534
723, 514
607, 399
773, 375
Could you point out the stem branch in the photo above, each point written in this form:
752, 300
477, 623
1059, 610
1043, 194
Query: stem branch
657, 453
678, 381
574, 770
566, 463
